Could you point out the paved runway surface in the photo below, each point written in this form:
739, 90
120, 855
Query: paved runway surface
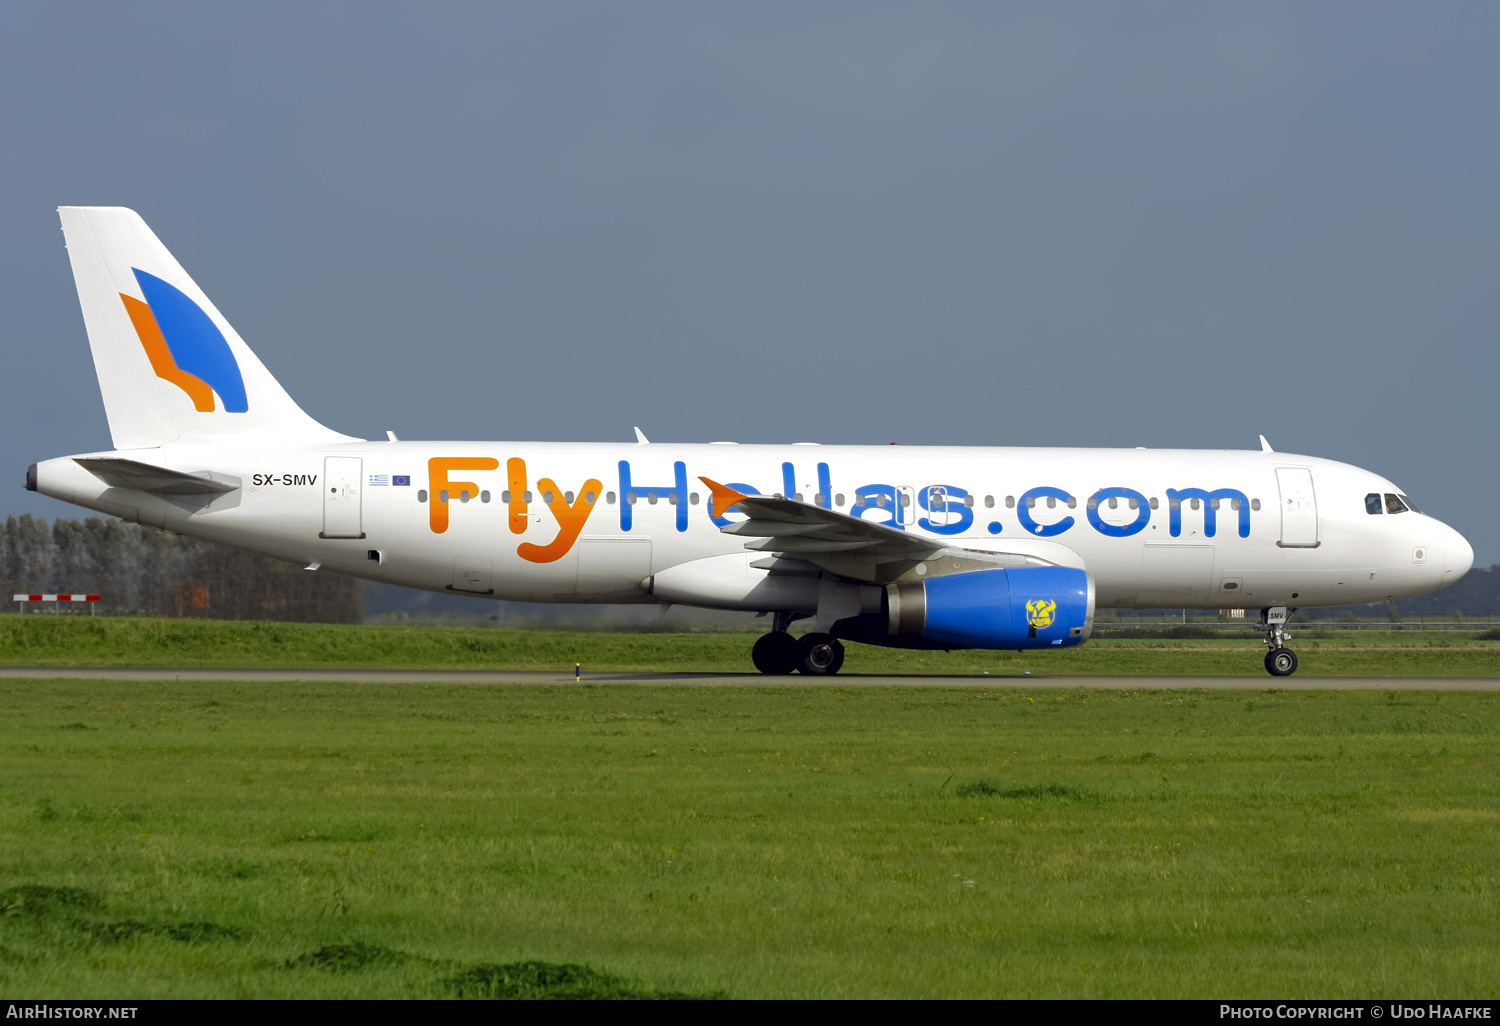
1259, 683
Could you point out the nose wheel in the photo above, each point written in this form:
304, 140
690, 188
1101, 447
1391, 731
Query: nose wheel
1280, 661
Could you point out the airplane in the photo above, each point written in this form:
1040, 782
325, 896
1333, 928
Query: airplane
934, 547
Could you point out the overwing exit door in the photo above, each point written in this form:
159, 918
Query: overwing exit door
1299, 508
341, 497
939, 507
905, 512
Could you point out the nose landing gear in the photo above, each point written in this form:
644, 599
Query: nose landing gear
1280, 660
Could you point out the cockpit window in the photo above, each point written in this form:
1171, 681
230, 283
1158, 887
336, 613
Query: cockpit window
1410, 505
1393, 504
1372, 503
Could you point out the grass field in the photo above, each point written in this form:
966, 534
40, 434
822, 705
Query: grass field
39, 640
191, 839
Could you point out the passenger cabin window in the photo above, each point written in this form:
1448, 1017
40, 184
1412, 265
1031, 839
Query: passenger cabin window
1372, 503
1393, 504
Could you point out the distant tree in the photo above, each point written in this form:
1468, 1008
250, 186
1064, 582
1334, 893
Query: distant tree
142, 571
29, 553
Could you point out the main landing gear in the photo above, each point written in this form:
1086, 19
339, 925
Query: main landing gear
815, 654
1280, 660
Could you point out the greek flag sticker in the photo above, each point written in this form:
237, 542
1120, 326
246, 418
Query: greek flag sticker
379, 480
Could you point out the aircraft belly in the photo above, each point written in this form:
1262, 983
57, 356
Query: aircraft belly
1174, 574
728, 581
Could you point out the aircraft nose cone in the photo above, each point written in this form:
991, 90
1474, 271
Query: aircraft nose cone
1460, 556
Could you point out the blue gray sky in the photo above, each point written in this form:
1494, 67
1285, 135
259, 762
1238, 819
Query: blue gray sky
1159, 224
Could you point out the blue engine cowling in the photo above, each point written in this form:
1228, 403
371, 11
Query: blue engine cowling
1013, 608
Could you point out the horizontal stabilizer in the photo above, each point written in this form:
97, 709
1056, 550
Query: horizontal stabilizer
143, 477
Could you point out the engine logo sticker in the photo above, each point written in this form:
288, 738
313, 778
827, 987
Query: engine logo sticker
1040, 613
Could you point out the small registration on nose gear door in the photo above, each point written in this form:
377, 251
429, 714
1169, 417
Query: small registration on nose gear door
1299, 508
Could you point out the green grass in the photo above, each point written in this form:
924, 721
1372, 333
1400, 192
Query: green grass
39, 640
183, 838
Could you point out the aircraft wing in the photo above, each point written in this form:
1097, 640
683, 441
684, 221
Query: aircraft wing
803, 538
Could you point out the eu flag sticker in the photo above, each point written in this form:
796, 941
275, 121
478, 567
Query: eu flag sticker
402, 479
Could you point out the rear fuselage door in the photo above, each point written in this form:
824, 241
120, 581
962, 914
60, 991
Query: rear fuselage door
1299, 508
341, 497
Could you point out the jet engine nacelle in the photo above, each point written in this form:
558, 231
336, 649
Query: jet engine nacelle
1011, 608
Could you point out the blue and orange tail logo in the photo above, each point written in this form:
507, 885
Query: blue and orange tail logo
184, 345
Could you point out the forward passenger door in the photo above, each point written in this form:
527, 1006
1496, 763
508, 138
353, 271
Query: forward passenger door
1299, 508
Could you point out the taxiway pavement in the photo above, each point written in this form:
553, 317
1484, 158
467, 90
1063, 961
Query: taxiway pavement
548, 677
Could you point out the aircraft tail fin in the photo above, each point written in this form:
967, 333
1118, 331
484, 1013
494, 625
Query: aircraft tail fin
170, 366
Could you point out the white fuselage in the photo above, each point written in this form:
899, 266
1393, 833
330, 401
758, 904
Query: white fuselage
1301, 535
